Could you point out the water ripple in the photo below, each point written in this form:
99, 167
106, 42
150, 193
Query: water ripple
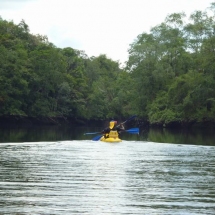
86, 177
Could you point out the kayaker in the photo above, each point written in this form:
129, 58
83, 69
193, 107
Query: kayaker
113, 127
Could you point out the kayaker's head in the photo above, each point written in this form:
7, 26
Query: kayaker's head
112, 123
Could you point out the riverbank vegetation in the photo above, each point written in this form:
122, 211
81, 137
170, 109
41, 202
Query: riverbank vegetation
169, 78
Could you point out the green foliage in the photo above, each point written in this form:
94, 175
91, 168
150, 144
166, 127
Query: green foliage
173, 69
103, 102
169, 77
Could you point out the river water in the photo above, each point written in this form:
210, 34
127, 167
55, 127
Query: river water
81, 176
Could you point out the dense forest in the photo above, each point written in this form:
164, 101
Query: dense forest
169, 78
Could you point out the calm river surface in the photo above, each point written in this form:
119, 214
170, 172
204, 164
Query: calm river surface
80, 176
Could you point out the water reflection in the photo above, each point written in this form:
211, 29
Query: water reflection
42, 133
57, 133
192, 136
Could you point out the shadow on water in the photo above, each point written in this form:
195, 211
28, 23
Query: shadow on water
59, 133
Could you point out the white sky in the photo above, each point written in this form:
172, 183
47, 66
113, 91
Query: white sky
95, 26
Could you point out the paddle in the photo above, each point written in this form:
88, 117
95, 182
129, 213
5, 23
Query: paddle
132, 117
92, 133
131, 131
121, 123
97, 138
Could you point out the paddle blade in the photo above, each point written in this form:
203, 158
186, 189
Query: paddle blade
133, 131
97, 138
92, 133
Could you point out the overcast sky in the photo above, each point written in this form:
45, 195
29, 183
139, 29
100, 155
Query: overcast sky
95, 26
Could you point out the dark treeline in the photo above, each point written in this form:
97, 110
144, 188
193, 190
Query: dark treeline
168, 80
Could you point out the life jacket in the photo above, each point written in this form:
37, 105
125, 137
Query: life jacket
113, 133
111, 126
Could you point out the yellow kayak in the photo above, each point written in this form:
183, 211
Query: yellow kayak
113, 137
110, 139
